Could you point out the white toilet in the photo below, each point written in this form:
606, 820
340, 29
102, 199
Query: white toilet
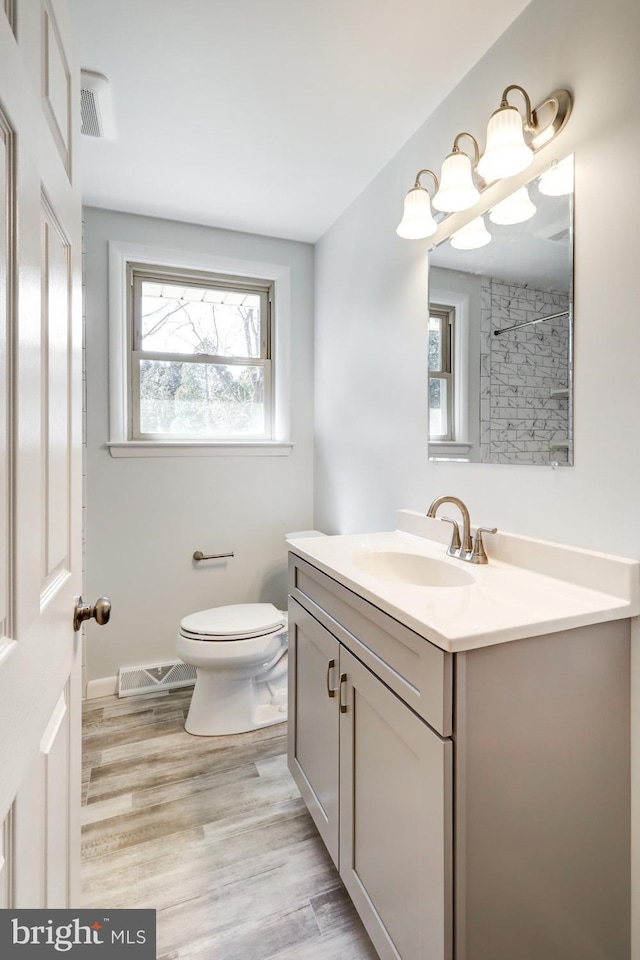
240, 652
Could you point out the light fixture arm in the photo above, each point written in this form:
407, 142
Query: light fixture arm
417, 184
476, 148
560, 101
530, 120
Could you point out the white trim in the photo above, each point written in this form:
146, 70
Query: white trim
7, 646
445, 449
53, 727
104, 687
280, 275
187, 448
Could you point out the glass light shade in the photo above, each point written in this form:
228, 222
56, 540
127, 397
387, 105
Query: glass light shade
457, 189
557, 181
417, 221
515, 209
506, 152
472, 236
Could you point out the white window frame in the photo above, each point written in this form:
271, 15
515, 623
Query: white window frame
120, 443
138, 273
461, 445
446, 314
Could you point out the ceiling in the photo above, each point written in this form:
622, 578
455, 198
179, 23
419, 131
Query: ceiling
267, 116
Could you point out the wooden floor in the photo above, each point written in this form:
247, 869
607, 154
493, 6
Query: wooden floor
212, 833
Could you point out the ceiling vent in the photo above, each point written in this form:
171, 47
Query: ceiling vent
96, 106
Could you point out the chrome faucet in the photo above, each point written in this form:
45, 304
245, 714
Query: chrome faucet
470, 550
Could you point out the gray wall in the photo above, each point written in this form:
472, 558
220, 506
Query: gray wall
145, 517
371, 290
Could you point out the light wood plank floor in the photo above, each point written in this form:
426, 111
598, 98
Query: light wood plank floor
212, 833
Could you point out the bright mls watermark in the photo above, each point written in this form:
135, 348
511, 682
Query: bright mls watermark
48, 933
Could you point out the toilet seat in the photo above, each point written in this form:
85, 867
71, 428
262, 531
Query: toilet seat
242, 655
217, 638
240, 621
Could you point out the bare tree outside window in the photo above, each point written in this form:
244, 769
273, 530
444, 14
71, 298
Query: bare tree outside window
201, 364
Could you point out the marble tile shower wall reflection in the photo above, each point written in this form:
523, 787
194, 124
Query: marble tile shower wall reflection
524, 377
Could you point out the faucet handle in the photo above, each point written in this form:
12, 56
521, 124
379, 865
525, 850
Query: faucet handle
479, 554
455, 534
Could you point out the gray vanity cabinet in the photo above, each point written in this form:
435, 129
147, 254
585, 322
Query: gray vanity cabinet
479, 812
376, 778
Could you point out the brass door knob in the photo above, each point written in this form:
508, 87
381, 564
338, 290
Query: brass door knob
100, 611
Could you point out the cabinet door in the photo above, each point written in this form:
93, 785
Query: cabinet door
395, 819
313, 736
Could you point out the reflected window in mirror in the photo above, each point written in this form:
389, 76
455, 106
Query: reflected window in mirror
512, 358
441, 392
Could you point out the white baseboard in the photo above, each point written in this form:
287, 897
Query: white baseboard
104, 687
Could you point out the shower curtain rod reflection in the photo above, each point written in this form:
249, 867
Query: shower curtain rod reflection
527, 323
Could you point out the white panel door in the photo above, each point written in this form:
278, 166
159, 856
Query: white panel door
40, 455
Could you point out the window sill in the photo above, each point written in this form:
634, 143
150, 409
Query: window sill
204, 448
446, 449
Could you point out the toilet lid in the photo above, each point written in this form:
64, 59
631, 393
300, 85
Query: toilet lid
243, 619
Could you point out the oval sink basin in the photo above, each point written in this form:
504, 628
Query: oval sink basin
411, 568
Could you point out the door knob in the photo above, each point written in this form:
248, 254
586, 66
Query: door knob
100, 611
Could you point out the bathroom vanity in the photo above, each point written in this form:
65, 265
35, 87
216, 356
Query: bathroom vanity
460, 736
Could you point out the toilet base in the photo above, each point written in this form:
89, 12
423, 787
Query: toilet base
220, 707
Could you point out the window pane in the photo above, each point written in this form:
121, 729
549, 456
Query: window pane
199, 320
438, 420
201, 399
435, 343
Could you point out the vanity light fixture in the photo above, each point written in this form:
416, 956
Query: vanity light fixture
512, 142
557, 181
514, 209
506, 152
472, 236
417, 221
457, 189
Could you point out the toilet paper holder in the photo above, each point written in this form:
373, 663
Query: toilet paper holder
199, 555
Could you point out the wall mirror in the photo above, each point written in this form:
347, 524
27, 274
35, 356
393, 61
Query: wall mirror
501, 330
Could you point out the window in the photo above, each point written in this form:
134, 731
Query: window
441, 386
200, 363
167, 369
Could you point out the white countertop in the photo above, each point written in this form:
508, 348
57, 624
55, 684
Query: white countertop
528, 588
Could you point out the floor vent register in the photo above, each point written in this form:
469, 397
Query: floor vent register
153, 677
